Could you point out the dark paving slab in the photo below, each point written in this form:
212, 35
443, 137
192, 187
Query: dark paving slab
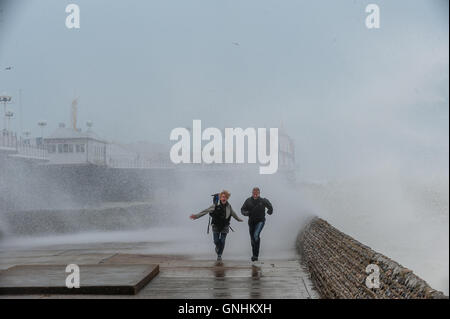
102, 279
82, 259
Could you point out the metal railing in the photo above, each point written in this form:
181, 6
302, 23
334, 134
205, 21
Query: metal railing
8, 139
21, 147
123, 161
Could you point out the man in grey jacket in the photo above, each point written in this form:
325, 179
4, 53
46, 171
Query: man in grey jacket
255, 208
221, 215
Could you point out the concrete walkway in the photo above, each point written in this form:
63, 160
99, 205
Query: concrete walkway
180, 276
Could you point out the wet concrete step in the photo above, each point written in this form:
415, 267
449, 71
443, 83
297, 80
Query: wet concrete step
101, 279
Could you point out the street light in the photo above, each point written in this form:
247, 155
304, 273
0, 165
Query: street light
42, 125
9, 116
89, 124
5, 99
27, 135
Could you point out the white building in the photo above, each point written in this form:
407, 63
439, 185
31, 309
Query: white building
70, 146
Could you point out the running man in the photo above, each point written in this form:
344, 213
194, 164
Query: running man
255, 208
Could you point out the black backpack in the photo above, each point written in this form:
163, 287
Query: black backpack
218, 216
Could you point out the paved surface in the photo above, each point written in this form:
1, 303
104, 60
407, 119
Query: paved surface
179, 276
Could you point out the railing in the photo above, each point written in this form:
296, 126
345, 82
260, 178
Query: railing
8, 139
26, 150
21, 147
124, 161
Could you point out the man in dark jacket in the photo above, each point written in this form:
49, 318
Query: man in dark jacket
255, 208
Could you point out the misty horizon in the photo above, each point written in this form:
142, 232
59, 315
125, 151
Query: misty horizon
213, 64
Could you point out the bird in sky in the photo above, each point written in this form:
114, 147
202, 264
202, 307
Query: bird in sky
235, 43
8, 68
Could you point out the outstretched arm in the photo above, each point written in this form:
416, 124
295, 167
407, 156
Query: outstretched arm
203, 212
235, 216
268, 206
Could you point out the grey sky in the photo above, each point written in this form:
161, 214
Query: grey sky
348, 95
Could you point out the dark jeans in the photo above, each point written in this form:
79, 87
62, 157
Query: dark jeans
219, 240
255, 232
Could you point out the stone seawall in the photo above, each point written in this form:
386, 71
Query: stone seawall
337, 264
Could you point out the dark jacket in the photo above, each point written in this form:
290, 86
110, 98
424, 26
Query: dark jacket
255, 209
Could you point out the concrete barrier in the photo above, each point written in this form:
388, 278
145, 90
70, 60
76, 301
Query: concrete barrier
337, 264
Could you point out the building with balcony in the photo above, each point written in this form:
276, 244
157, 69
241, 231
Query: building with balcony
73, 146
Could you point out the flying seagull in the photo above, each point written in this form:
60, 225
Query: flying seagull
235, 43
8, 68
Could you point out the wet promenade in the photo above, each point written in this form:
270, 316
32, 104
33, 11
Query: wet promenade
179, 276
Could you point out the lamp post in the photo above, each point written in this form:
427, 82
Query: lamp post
9, 115
5, 99
27, 135
42, 125
89, 125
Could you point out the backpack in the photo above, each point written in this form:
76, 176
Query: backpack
215, 198
218, 216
